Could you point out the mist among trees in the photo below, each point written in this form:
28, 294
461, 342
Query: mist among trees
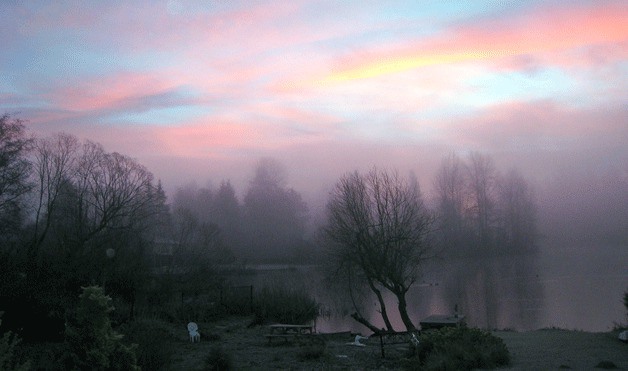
74, 215
489, 220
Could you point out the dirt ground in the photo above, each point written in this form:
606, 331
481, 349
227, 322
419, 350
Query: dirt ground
553, 349
249, 350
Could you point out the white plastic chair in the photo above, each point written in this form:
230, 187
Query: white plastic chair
195, 336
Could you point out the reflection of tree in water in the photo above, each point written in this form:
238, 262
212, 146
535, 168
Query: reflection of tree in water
487, 231
494, 292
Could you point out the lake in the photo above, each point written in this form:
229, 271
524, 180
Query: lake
570, 287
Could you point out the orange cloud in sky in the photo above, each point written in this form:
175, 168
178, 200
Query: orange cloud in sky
546, 30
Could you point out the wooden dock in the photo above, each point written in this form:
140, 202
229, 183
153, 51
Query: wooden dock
437, 321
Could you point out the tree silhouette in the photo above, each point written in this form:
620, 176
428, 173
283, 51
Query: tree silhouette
378, 227
275, 214
14, 172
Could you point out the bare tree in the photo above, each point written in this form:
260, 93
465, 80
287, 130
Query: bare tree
517, 212
114, 192
14, 171
378, 226
84, 192
482, 184
54, 161
451, 195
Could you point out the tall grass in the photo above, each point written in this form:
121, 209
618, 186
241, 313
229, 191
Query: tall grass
285, 305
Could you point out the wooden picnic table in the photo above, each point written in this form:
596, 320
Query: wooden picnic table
287, 331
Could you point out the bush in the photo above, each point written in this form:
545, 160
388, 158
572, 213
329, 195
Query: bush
607, 365
9, 360
285, 305
90, 341
459, 348
153, 337
218, 360
310, 352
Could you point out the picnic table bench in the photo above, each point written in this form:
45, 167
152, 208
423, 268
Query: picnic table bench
286, 331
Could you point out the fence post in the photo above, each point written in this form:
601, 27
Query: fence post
381, 344
251, 298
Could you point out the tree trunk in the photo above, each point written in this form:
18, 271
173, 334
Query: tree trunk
365, 322
382, 306
403, 311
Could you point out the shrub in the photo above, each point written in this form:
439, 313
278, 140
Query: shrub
607, 365
90, 341
9, 360
285, 305
153, 337
459, 348
310, 352
218, 360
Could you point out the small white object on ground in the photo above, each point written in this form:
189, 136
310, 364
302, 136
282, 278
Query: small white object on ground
357, 343
623, 336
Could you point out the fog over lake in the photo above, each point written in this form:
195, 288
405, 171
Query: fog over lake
186, 160
569, 287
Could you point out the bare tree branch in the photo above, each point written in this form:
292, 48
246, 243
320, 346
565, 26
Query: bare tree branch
379, 225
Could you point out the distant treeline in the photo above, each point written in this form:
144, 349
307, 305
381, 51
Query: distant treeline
73, 214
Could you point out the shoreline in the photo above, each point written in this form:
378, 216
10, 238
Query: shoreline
529, 350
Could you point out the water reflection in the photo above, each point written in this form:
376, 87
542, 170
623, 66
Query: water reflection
567, 287
497, 292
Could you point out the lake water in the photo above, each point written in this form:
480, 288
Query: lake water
568, 287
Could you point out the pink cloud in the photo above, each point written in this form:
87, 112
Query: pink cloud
199, 140
540, 125
224, 134
544, 31
109, 91
321, 121
150, 26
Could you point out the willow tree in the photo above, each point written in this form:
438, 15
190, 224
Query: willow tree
378, 227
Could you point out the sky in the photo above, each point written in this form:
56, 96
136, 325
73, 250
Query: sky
201, 90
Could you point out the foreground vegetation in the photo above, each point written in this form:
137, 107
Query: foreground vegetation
238, 342
458, 348
83, 230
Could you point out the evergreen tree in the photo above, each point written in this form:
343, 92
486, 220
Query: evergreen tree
91, 341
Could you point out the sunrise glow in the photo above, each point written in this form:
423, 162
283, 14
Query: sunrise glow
169, 80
